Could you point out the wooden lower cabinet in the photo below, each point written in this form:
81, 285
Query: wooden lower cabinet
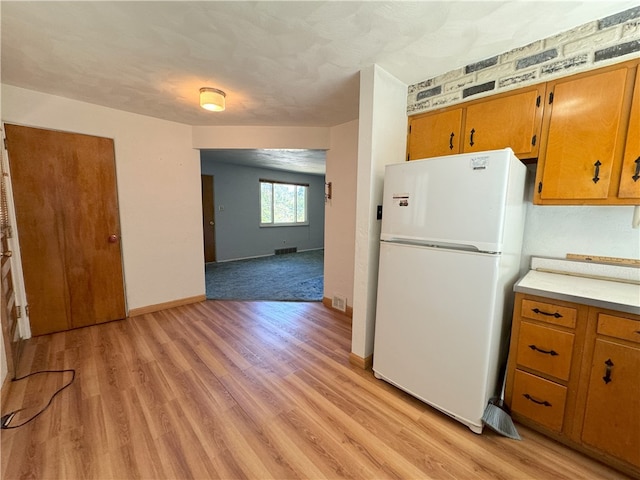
574, 375
612, 413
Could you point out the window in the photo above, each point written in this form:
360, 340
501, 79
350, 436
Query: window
283, 203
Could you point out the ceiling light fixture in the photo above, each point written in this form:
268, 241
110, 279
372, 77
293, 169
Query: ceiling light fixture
212, 99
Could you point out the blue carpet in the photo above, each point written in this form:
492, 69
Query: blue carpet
290, 277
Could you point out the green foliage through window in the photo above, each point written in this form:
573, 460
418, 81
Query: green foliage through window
282, 203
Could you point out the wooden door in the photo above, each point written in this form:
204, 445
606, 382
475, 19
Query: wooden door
612, 415
630, 176
434, 135
582, 139
208, 219
64, 191
9, 309
509, 121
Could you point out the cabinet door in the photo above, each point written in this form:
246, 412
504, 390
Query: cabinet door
630, 176
512, 121
582, 138
435, 135
612, 415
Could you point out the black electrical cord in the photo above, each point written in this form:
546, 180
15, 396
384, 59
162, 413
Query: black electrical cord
6, 419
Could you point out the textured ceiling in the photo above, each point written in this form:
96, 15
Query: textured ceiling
307, 161
280, 63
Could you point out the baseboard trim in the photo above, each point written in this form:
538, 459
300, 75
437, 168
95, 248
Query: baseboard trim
134, 312
363, 363
327, 303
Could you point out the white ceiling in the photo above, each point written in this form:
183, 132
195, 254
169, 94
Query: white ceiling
291, 63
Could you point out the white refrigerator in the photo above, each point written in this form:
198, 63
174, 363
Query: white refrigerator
449, 256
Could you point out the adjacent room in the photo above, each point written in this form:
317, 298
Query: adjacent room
150, 148
263, 224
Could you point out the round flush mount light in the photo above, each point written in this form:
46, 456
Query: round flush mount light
212, 99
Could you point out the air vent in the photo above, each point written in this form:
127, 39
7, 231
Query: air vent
280, 251
339, 303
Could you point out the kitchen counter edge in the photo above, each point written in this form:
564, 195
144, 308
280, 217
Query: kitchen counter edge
558, 286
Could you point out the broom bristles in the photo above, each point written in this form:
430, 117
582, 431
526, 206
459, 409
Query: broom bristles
500, 421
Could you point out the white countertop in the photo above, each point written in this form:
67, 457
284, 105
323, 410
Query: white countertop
614, 295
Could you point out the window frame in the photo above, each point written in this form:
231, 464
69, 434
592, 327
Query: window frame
292, 184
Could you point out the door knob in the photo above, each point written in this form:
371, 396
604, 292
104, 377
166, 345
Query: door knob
8, 253
113, 238
211, 223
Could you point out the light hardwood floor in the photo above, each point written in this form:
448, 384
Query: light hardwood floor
244, 390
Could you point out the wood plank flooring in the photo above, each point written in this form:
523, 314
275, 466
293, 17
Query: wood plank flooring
243, 390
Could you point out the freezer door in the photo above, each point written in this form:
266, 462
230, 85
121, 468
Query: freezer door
439, 326
459, 199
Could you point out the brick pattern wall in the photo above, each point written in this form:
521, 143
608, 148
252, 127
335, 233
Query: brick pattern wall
602, 42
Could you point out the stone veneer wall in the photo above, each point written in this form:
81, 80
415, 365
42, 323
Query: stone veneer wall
610, 40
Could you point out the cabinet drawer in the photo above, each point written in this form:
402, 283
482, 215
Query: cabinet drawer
546, 350
619, 327
539, 400
550, 313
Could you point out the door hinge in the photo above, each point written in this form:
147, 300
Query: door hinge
550, 98
18, 311
408, 155
538, 101
534, 139
5, 143
409, 129
540, 187
26, 310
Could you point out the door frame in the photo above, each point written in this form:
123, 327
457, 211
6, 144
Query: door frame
24, 322
213, 215
24, 325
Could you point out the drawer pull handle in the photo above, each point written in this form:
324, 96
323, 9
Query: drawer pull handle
553, 353
607, 371
473, 130
530, 398
451, 141
636, 175
540, 312
596, 176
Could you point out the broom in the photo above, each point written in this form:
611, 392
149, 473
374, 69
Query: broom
497, 416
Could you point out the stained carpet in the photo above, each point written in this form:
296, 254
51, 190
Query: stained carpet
289, 277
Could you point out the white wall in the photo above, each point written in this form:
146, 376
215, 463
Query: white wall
340, 212
554, 231
382, 138
158, 175
314, 138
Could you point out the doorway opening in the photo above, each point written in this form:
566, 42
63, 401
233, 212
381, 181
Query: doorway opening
258, 259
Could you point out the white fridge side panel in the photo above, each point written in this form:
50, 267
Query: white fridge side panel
439, 325
458, 199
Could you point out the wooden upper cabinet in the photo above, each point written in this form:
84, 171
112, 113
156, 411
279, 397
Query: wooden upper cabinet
630, 175
512, 120
435, 134
583, 136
